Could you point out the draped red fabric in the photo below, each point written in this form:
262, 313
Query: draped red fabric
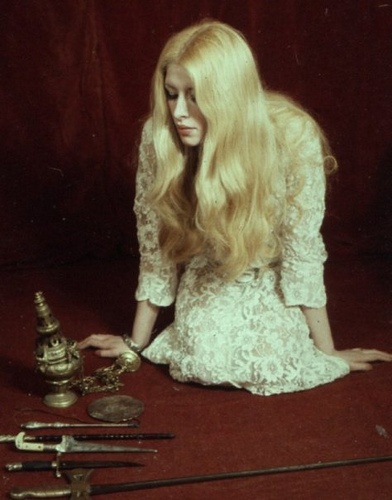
74, 87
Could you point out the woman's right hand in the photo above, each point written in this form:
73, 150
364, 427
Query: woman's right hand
105, 345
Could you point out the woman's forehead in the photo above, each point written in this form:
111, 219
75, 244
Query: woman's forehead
177, 76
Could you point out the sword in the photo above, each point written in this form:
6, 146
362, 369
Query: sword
63, 425
69, 445
8, 438
79, 487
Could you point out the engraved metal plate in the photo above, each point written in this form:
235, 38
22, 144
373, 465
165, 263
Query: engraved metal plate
115, 408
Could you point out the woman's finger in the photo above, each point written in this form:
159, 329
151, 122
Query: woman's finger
358, 366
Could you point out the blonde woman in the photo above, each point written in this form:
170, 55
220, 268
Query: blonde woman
229, 204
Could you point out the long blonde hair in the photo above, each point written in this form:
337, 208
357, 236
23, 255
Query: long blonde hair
220, 197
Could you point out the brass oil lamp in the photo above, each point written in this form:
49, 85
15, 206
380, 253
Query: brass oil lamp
57, 358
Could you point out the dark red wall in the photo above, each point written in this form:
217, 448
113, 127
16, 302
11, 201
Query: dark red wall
74, 85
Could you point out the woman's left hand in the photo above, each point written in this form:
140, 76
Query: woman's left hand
361, 359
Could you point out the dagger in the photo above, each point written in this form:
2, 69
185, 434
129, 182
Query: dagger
79, 487
8, 438
69, 445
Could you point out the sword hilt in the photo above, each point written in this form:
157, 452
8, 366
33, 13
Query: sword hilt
22, 444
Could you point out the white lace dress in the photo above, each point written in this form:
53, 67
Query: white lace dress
249, 333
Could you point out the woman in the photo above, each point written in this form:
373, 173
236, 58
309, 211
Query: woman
229, 204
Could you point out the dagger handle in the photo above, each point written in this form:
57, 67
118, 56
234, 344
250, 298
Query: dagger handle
48, 492
31, 466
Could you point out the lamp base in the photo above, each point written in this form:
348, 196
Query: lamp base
60, 400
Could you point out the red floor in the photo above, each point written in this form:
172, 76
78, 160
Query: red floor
216, 430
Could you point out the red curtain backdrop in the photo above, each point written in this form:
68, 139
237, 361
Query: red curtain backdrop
74, 87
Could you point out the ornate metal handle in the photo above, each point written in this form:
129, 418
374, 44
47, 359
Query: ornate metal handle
47, 492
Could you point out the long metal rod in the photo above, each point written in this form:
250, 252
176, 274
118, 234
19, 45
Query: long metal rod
64, 425
159, 483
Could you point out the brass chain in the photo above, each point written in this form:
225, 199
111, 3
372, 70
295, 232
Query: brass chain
108, 378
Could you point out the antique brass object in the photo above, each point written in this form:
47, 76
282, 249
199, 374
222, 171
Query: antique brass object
57, 358
116, 409
108, 378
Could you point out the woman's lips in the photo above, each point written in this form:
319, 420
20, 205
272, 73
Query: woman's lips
184, 130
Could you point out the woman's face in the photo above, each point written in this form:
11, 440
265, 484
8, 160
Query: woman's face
189, 121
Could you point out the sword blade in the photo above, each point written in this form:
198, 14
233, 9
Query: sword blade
102, 489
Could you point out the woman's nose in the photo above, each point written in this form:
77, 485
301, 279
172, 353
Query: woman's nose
181, 109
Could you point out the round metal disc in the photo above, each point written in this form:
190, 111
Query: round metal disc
115, 409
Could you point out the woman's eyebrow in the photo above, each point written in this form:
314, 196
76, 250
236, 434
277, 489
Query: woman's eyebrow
172, 86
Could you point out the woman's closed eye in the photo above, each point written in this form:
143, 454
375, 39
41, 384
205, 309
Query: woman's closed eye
170, 95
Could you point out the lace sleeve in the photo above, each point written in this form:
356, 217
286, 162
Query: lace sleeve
157, 277
302, 278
